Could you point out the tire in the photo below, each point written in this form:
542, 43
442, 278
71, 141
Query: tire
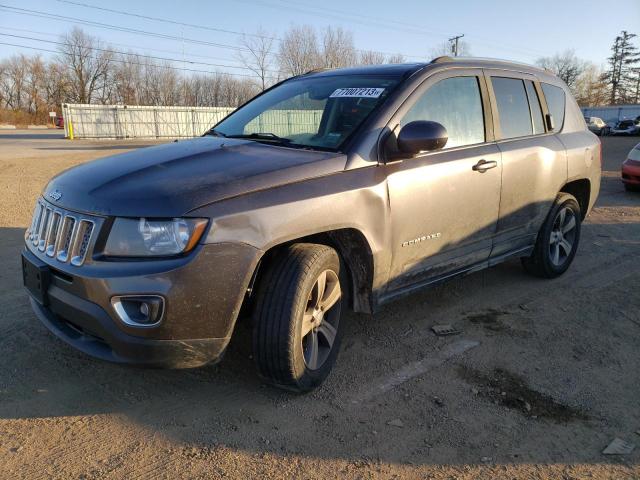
631, 188
293, 316
550, 257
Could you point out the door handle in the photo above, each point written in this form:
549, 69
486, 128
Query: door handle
484, 165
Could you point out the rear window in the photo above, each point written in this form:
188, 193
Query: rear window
513, 107
555, 102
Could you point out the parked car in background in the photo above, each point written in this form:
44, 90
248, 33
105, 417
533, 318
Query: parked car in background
631, 170
410, 175
626, 127
59, 121
597, 125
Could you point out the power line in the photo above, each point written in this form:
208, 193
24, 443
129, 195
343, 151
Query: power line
164, 20
36, 13
355, 17
40, 49
54, 16
127, 45
402, 26
159, 19
131, 53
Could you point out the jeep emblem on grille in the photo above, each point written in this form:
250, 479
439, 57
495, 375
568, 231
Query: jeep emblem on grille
56, 195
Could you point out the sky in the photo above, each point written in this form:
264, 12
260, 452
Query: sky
499, 29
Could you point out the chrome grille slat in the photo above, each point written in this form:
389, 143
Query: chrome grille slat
36, 229
44, 226
52, 234
36, 216
67, 241
62, 235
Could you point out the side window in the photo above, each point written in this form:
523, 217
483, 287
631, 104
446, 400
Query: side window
457, 105
513, 107
555, 101
534, 105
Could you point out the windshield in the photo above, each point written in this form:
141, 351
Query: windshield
313, 112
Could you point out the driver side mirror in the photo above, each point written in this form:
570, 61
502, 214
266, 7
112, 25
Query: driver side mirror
422, 135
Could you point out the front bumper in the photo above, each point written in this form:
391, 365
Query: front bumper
631, 172
203, 295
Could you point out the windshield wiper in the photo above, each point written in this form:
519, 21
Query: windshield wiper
268, 136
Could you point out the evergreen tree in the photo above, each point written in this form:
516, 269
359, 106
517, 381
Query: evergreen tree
621, 75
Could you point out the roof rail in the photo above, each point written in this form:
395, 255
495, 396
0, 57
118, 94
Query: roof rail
442, 59
446, 58
317, 70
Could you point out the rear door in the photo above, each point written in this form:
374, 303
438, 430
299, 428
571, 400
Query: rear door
534, 163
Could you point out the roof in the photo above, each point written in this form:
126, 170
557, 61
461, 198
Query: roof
406, 69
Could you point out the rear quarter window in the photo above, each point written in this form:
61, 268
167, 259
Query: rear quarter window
556, 102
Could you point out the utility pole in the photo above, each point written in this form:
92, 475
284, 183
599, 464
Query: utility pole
454, 44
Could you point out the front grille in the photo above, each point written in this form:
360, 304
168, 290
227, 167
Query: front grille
62, 235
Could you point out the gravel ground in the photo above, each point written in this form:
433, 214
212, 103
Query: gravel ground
543, 376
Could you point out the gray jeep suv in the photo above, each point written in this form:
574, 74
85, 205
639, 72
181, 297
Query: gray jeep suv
332, 190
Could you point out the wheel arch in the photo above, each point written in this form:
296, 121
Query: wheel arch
581, 189
354, 251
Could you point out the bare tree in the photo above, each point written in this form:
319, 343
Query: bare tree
15, 81
299, 51
590, 89
337, 48
88, 62
396, 58
257, 55
565, 65
56, 90
35, 85
128, 78
370, 57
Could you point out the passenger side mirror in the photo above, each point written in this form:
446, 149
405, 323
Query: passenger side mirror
421, 135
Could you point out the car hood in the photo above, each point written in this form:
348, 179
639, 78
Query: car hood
172, 179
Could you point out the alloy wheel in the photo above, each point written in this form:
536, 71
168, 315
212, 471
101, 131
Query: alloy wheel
320, 319
563, 235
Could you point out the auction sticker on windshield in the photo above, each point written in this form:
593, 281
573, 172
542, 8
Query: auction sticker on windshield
358, 92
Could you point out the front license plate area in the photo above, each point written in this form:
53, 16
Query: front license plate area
35, 277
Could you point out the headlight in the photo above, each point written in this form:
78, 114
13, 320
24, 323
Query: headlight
143, 237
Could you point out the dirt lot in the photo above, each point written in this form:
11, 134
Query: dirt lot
543, 377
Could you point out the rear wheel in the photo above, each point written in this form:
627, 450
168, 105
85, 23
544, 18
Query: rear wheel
631, 188
297, 328
557, 240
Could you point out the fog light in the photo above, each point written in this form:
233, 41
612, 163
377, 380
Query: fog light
139, 310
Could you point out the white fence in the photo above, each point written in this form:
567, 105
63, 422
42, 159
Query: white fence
124, 121
614, 113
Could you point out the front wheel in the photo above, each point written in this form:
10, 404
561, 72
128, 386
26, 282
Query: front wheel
297, 328
557, 240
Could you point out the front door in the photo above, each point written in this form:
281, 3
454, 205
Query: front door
444, 204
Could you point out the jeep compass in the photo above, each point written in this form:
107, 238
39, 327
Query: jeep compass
334, 190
